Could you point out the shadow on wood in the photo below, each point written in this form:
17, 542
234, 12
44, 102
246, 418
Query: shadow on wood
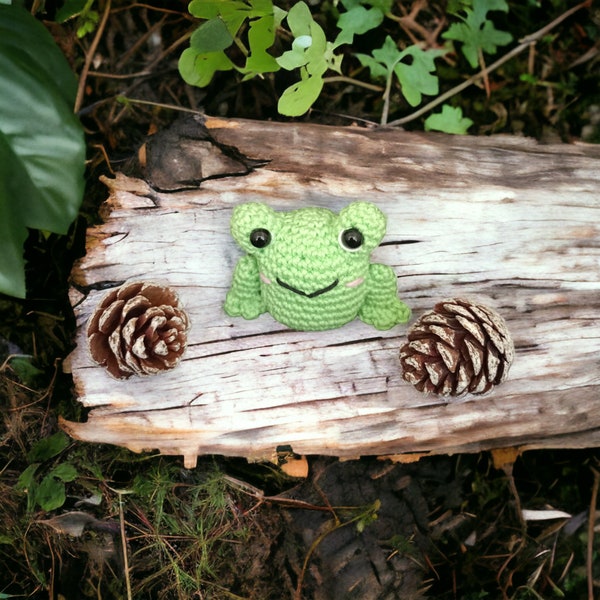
504, 220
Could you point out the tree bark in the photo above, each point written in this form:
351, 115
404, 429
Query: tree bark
508, 222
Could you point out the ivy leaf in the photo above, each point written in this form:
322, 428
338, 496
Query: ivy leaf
450, 120
415, 75
477, 32
413, 66
357, 20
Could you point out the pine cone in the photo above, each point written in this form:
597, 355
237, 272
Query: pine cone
458, 347
138, 329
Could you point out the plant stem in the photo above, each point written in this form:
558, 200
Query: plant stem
526, 42
351, 80
89, 57
124, 546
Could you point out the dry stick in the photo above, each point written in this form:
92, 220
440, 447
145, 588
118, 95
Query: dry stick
89, 57
124, 546
590, 540
525, 43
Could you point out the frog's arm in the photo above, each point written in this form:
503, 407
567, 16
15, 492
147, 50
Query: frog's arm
382, 308
244, 298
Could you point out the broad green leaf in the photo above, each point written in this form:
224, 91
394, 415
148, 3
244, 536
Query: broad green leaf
450, 120
198, 68
50, 494
212, 36
64, 472
298, 98
42, 146
477, 32
48, 447
416, 76
27, 478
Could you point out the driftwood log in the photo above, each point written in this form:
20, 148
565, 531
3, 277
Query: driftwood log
504, 220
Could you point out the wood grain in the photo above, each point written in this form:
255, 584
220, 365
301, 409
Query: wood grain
505, 221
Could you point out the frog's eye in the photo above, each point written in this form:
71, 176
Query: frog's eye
351, 239
260, 238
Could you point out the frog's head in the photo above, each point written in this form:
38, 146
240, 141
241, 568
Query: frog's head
310, 252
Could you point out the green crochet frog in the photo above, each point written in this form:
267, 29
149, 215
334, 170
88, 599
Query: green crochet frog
310, 268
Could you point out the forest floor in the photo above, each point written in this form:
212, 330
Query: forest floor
94, 521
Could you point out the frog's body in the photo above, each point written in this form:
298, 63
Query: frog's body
310, 268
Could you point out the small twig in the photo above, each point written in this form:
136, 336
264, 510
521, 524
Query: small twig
590, 537
345, 79
525, 43
124, 544
89, 57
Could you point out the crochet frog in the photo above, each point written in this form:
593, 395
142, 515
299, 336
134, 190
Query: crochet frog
310, 268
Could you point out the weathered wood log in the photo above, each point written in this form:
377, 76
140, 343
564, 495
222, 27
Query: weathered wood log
504, 220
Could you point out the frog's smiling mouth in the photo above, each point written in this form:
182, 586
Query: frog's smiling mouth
324, 290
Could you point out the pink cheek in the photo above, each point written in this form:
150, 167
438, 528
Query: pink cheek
265, 279
355, 283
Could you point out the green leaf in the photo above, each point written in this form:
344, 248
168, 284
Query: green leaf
27, 478
198, 68
70, 9
212, 36
413, 66
261, 37
298, 98
50, 494
65, 472
378, 71
42, 147
357, 20
48, 447
313, 54
450, 120
24, 369
232, 12
416, 76
477, 32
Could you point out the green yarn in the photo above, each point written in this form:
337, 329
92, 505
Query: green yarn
310, 268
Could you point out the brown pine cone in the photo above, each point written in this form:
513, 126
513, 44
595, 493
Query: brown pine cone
458, 347
138, 329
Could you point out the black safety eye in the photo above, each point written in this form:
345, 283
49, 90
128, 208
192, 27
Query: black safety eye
351, 239
260, 238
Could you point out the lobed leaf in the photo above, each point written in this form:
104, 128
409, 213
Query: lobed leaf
416, 76
477, 32
450, 120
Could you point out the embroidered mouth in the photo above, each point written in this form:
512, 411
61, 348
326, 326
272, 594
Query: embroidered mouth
324, 290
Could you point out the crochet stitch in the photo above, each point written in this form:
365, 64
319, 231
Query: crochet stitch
310, 268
